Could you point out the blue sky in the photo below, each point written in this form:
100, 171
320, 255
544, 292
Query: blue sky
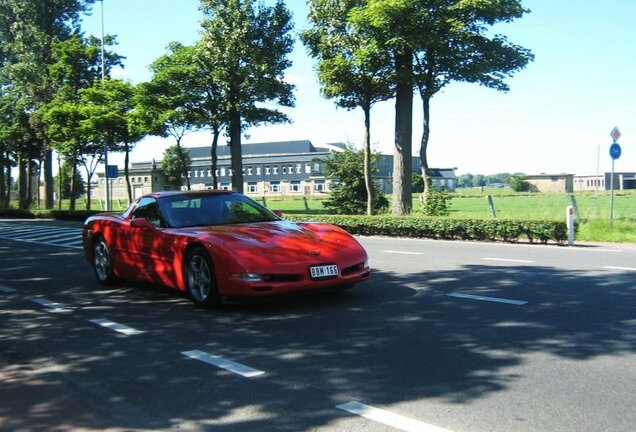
556, 117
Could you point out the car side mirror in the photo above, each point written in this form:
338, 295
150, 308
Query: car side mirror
141, 223
278, 213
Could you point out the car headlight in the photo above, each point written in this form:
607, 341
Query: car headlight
248, 277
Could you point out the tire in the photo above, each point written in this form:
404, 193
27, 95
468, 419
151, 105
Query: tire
103, 263
201, 279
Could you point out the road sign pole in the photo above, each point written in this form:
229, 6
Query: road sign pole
612, 196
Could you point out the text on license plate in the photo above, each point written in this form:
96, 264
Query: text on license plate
318, 272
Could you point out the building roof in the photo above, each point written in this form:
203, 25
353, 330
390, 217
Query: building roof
261, 149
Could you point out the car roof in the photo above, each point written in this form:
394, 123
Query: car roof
203, 192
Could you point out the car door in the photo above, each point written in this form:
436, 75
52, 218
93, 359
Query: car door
151, 243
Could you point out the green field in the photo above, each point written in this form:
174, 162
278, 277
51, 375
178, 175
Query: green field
593, 209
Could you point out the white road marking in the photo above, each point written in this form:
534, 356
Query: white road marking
403, 252
222, 363
6, 289
52, 306
508, 260
489, 299
620, 268
388, 418
128, 331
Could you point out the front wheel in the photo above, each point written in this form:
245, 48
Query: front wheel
201, 279
103, 263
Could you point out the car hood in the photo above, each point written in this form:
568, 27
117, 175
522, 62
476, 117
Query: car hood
283, 241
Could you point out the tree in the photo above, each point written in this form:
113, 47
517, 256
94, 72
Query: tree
455, 44
171, 102
69, 190
348, 189
175, 164
113, 117
248, 44
391, 24
27, 51
351, 68
433, 43
518, 183
77, 65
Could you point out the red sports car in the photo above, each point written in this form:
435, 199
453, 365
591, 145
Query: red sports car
217, 244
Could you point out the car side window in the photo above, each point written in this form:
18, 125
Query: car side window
148, 208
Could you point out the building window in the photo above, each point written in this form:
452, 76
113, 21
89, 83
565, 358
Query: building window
145, 179
298, 168
319, 185
225, 186
121, 180
252, 187
267, 170
284, 169
258, 170
316, 168
295, 186
307, 169
222, 172
274, 186
250, 171
275, 170
209, 173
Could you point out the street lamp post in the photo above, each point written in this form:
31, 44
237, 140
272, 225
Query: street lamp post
106, 179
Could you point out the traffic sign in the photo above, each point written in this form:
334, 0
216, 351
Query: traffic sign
615, 151
616, 134
112, 171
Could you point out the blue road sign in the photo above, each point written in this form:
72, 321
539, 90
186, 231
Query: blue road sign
112, 171
615, 151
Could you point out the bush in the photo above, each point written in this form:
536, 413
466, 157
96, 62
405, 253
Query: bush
448, 229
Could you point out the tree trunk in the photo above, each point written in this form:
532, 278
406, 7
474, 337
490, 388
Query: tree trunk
73, 185
426, 103
48, 178
213, 157
235, 150
88, 189
9, 184
368, 181
30, 175
3, 181
126, 160
402, 159
59, 182
22, 182
182, 159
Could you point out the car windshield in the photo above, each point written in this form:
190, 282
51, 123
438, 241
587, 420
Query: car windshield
208, 209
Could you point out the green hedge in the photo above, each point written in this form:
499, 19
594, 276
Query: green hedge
419, 227
444, 228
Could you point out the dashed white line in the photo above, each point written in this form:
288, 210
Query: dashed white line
508, 260
489, 299
52, 306
222, 363
619, 268
128, 331
6, 289
388, 418
403, 252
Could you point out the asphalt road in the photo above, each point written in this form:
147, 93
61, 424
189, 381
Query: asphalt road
455, 336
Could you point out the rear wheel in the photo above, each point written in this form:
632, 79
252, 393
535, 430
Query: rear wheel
103, 263
201, 279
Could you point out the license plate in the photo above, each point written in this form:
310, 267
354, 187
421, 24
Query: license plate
325, 271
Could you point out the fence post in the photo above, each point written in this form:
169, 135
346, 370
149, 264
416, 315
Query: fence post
576, 208
493, 211
306, 204
569, 214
